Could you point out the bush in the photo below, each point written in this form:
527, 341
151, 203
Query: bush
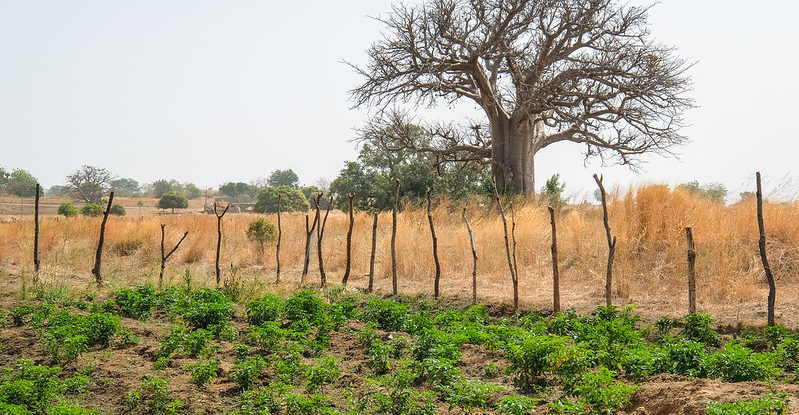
697, 328
203, 373
734, 363
265, 309
245, 371
196, 341
325, 371
268, 336
768, 404
136, 303
68, 210
470, 394
117, 210
684, 358
304, 305
291, 200
603, 393
20, 314
91, 209
261, 231
516, 405
389, 315
531, 357
208, 307
155, 398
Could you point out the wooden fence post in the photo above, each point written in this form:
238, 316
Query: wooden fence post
555, 272
474, 257
98, 257
372, 256
511, 266
279, 239
772, 291
435, 244
219, 240
320, 232
689, 236
611, 241
308, 233
346, 277
165, 257
36, 262
394, 237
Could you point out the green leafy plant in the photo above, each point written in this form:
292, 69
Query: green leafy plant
697, 328
516, 405
734, 363
68, 210
20, 314
245, 371
389, 315
136, 303
324, 371
203, 373
304, 305
92, 209
531, 357
195, 342
766, 405
265, 309
603, 393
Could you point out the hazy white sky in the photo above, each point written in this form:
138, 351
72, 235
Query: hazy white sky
215, 91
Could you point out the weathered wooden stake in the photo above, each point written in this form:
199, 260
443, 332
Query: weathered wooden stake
219, 240
772, 290
279, 238
36, 262
611, 241
308, 233
394, 237
555, 272
474, 257
435, 243
350, 196
98, 258
689, 236
511, 268
372, 256
320, 232
165, 257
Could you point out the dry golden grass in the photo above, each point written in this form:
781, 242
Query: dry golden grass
649, 269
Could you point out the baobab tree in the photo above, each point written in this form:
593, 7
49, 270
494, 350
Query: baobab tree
542, 71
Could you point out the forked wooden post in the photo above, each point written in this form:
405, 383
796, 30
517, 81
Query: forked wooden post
394, 237
511, 267
772, 290
219, 240
435, 244
346, 277
372, 256
165, 256
308, 234
36, 262
555, 272
689, 236
474, 256
611, 241
320, 233
98, 257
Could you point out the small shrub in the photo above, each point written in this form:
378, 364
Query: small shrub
117, 210
684, 358
531, 357
20, 315
136, 303
245, 371
91, 209
68, 210
203, 314
734, 363
264, 400
468, 395
697, 328
768, 404
155, 398
389, 315
203, 373
268, 336
265, 309
438, 371
304, 305
195, 342
516, 405
325, 371
604, 394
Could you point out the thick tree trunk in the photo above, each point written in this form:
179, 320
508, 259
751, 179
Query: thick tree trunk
514, 144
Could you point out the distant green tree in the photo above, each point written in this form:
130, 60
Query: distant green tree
310, 193
192, 191
117, 210
91, 209
553, 191
4, 178
236, 190
68, 210
57, 190
21, 183
157, 188
714, 192
89, 183
125, 187
172, 200
292, 200
285, 177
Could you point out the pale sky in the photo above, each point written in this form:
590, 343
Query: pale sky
215, 91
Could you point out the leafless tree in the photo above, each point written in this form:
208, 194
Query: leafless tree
308, 234
772, 290
610, 238
372, 255
89, 183
435, 243
542, 71
510, 250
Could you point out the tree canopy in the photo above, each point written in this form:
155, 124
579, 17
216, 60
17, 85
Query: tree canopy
173, 200
285, 177
543, 72
291, 200
21, 183
89, 183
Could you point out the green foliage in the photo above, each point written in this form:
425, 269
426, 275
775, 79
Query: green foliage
516, 405
92, 209
154, 397
531, 357
287, 177
304, 305
553, 191
208, 307
28, 388
714, 192
684, 358
20, 314
203, 373
68, 210
136, 303
265, 309
196, 342
117, 210
300, 405
436, 343
267, 336
734, 363
173, 341
172, 200
766, 405
468, 395
68, 335
21, 183
261, 231
236, 190
246, 371
389, 315
291, 200
264, 400
324, 371
603, 393
697, 328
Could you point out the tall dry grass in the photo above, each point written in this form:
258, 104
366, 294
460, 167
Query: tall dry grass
649, 269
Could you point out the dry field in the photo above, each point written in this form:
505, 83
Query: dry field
649, 271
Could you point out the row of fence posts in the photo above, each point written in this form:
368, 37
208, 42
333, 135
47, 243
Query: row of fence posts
320, 221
